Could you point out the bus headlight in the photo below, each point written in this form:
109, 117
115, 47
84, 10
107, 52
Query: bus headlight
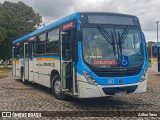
144, 76
89, 78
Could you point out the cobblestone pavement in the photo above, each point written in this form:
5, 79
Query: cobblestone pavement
14, 96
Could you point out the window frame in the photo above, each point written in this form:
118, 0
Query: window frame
47, 41
21, 46
45, 32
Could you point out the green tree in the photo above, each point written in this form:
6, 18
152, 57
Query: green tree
16, 20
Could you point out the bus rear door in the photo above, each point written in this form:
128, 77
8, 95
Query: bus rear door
28, 60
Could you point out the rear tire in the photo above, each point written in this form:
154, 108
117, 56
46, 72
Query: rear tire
56, 85
23, 79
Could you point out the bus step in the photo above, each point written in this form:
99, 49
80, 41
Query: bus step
69, 93
68, 77
65, 90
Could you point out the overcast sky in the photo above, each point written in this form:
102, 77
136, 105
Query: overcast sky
148, 11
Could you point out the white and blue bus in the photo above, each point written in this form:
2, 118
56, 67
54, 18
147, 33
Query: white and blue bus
85, 55
155, 57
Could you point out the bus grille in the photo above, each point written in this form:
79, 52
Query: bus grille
113, 90
117, 73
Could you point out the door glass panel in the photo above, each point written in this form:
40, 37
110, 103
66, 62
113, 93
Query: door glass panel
26, 51
67, 46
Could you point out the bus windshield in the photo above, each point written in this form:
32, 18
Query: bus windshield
106, 47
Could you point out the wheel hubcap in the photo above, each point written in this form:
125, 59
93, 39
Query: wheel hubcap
57, 87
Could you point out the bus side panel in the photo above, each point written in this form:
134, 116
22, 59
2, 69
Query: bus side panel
47, 69
40, 71
35, 71
31, 67
26, 62
154, 64
43, 68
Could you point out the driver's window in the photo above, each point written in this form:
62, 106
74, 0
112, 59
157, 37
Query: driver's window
67, 46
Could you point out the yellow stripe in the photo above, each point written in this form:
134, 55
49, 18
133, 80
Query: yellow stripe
45, 59
17, 61
155, 59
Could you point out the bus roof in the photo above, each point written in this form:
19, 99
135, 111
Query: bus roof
62, 21
108, 13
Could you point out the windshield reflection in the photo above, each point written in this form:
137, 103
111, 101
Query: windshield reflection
109, 47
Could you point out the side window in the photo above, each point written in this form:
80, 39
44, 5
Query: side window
26, 50
52, 45
30, 49
16, 52
40, 43
21, 50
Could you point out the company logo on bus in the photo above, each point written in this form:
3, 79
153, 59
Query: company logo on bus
104, 62
68, 25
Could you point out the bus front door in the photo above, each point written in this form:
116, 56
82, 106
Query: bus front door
26, 61
67, 76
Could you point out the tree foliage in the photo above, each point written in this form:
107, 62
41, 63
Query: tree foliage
16, 20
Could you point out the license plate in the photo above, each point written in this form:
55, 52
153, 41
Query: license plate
121, 92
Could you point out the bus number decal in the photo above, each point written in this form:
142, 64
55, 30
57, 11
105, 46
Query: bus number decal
110, 81
101, 62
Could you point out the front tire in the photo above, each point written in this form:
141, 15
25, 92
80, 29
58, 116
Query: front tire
56, 88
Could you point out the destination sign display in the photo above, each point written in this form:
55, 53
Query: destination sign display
68, 25
104, 62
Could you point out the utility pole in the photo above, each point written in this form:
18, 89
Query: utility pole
157, 31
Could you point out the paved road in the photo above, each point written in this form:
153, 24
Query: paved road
14, 96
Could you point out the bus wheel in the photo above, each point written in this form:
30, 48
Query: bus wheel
56, 88
23, 79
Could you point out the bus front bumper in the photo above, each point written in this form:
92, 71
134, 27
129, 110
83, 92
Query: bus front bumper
87, 90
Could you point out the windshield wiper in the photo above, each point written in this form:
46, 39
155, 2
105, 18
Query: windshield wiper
138, 54
120, 43
122, 38
107, 36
